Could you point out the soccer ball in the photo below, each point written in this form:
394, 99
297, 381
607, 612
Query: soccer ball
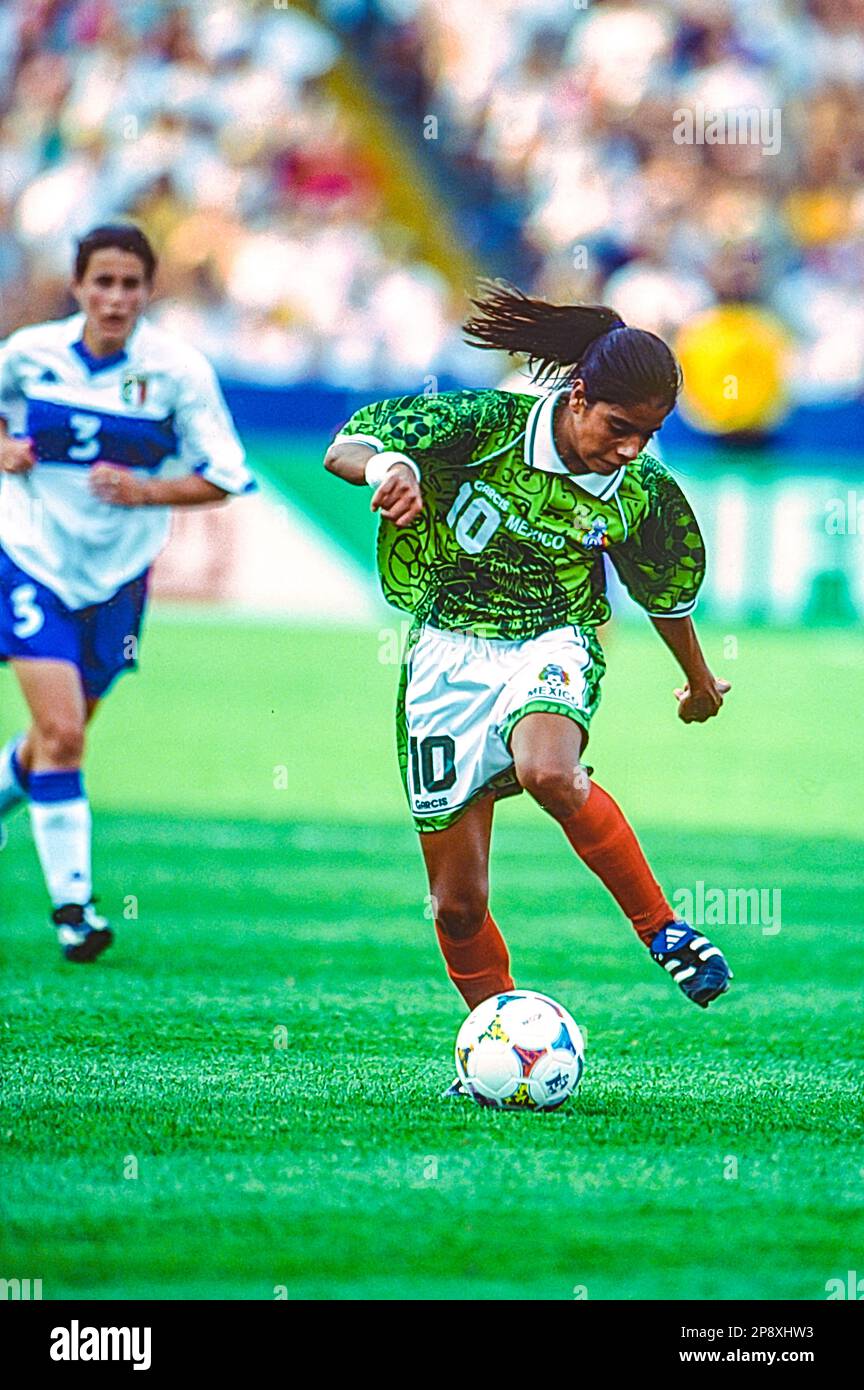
520, 1051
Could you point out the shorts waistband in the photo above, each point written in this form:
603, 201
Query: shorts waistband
461, 638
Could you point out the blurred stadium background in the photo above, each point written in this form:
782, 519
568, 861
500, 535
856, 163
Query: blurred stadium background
323, 183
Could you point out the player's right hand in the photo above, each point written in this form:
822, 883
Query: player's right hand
399, 498
16, 455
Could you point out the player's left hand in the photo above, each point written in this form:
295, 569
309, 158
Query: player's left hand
703, 701
119, 486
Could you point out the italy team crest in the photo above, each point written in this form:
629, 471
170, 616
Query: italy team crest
133, 389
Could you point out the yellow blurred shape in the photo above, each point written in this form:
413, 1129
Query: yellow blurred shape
819, 215
734, 361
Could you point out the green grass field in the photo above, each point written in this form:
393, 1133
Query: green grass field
242, 1097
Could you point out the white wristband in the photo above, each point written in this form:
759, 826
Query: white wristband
379, 465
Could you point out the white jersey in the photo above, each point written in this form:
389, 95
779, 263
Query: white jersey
155, 407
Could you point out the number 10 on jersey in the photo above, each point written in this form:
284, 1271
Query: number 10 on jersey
474, 520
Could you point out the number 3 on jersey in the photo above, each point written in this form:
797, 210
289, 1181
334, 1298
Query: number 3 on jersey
477, 520
86, 428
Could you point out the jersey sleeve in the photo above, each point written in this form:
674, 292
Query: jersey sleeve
447, 428
662, 561
208, 439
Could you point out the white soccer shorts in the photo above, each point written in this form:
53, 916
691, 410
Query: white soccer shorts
460, 698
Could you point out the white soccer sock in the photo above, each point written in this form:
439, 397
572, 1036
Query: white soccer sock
61, 823
11, 791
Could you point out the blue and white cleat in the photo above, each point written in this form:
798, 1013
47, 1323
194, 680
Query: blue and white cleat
82, 933
454, 1089
699, 968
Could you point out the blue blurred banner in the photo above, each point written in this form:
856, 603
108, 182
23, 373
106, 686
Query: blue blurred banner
316, 408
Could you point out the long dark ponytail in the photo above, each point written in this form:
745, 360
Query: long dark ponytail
563, 342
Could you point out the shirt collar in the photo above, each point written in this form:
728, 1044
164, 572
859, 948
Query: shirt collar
540, 452
98, 364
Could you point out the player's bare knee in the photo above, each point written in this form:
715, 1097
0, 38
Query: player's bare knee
60, 741
461, 917
581, 787
559, 790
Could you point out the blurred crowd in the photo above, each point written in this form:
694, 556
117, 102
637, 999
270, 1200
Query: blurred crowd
572, 106
215, 125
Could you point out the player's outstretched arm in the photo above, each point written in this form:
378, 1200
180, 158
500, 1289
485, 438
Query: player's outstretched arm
395, 478
348, 461
123, 488
702, 696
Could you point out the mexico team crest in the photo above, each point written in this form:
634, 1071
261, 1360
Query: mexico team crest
133, 389
554, 675
596, 538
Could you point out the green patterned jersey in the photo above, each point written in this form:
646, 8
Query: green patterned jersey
510, 543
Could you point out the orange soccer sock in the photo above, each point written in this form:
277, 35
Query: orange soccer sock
479, 966
604, 840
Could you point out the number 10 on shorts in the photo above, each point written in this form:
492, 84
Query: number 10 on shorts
433, 763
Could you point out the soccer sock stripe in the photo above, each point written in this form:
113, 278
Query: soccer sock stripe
478, 966
602, 837
61, 821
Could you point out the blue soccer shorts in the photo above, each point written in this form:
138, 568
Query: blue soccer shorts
101, 640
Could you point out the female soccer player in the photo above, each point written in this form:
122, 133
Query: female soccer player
497, 509
106, 423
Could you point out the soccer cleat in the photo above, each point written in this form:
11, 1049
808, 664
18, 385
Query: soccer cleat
698, 967
82, 933
454, 1089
